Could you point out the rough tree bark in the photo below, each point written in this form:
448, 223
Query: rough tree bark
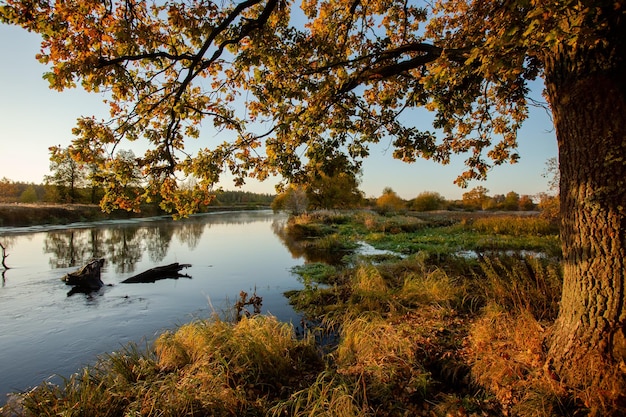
587, 92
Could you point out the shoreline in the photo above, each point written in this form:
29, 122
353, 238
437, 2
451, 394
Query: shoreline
24, 215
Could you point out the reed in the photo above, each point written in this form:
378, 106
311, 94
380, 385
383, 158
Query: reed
521, 284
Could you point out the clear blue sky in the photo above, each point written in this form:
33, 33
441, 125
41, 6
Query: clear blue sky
33, 118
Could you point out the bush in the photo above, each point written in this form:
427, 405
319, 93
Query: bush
390, 202
428, 201
29, 195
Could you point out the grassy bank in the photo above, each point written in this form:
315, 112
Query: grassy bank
452, 322
18, 214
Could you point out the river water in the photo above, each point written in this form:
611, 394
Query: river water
45, 333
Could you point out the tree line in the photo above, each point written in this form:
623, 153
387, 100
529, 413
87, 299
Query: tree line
62, 193
298, 199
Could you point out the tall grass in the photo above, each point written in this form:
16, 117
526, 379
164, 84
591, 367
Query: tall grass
522, 284
205, 368
376, 371
508, 357
330, 395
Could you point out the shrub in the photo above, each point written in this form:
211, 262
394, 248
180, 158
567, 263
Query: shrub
428, 201
390, 202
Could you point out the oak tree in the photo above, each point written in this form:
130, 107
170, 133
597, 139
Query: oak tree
348, 73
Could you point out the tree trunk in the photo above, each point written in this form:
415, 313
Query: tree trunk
587, 350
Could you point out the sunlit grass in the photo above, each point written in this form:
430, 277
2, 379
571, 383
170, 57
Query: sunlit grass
330, 395
521, 284
204, 368
508, 358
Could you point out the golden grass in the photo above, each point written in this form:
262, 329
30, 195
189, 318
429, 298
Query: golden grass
508, 357
330, 395
205, 368
514, 225
522, 284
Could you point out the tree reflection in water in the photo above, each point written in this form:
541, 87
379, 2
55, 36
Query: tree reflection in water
123, 245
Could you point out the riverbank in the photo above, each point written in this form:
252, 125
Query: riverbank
19, 214
450, 319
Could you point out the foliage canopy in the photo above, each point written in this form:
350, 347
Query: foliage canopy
295, 87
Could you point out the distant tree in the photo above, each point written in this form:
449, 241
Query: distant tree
476, 198
526, 203
51, 193
242, 197
390, 202
8, 189
121, 180
493, 203
293, 200
338, 191
29, 195
330, 178
511, 201
428, 201
549, 207
552, 174
66, 174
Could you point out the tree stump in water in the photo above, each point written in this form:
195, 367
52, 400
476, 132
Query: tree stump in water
87, 278
159, 272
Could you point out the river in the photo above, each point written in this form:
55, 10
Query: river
45, 333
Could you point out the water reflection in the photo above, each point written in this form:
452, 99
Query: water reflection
44, 332
122, 247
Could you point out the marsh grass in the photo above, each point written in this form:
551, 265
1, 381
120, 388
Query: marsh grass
390, 224
513, 225
472, 234
480, 322
522, 284
204, 368
330, 395
315, 273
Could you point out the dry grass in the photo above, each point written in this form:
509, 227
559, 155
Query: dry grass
508, 356
514, 225
522, 284
205, 368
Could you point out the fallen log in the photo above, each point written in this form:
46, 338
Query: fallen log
159, 272
87, 278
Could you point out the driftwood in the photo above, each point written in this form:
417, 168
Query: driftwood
87, 278
4, 257
159, 272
